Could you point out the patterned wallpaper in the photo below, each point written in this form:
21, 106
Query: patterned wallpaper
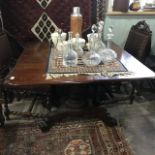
21, 16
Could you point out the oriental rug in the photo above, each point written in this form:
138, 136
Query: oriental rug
88, 137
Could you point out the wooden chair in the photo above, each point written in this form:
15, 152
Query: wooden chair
5, 57
10, 51
139, 45
139, 41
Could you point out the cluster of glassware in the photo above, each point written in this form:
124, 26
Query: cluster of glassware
72, 50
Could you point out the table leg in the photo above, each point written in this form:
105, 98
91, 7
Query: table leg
79, 102
132, 94
91, 113
6, 111
2, 120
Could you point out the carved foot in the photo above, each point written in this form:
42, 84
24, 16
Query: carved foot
2, 120
1, 124
109, 121
44, 124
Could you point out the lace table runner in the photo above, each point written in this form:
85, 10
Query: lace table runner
55, 68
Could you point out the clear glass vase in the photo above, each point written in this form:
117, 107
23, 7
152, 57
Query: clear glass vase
70, 57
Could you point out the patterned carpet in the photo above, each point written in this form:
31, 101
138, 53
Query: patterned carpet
132, 118
88, 137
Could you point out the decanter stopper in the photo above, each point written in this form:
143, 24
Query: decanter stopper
59, 32
110, 34
94, 28
93, 37
100, 26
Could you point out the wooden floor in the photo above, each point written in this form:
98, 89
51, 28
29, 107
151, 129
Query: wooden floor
138, 121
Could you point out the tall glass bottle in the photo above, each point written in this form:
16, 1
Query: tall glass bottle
76, 21
99, 43
70, 57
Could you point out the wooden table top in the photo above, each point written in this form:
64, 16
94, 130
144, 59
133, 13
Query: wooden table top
31, 67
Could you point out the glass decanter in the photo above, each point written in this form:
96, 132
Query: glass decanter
92, 58
108, 54
77, 46
70, 57
100, 26
99, 43
59, 45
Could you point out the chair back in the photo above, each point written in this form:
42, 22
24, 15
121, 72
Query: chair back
10, 49
139, 41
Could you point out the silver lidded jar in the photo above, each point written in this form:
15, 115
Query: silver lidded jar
76, 20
